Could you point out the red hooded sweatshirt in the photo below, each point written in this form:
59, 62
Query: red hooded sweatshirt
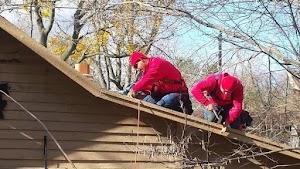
208, 91
157, 71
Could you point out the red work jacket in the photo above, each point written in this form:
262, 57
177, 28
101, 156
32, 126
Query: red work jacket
157, 73
208, 91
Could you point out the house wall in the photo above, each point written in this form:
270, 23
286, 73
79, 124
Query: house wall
93, 132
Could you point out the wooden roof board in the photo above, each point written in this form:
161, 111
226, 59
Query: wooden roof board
97, 91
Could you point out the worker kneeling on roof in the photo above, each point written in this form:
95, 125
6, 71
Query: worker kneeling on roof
163, 81
222, 97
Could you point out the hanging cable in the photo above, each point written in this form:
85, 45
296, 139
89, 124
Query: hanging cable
45, 152
137, 135
63, 152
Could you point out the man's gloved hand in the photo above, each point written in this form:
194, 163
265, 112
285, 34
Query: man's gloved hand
131, 93
225, 125
210, 107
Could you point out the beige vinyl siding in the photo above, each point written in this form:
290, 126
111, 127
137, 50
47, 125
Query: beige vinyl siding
94, 133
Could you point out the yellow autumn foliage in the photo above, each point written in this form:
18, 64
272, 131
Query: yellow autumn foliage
58, 45
130, 47
46, 12
86, 46
60, 50
102, 38
123, 35
45, 7
80, 47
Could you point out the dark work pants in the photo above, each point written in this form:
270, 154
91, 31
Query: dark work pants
171, 101
210, 116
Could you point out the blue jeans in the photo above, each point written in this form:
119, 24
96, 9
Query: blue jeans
171, 101
210, 116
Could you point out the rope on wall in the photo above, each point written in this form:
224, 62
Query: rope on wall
137, 135
44, 126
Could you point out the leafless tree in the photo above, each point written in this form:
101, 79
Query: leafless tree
114, 30
251, 30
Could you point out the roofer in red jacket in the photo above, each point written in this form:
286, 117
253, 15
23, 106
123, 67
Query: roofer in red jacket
163, 80
221, 91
